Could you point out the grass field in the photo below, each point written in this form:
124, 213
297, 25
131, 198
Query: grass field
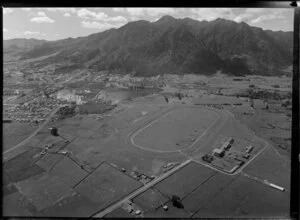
267, 125
48, 161
185, 180
107, 139
272, 167
23, 166
175, 130
44, 190
14, 133
68, 171
206, 192
150, 200
75, 205
8, 186
106, 185
246, 198
16, 205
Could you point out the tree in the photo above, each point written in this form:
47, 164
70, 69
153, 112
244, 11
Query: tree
179, 96
166, 98
177, 202
54, 131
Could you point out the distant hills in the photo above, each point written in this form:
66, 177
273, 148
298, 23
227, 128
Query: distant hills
169, 45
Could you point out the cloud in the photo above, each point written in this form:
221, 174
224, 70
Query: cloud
65, 10
252, 15
242, 17
67, 14
255, 10
160, 11
42, 20
5, 30
136, 11
249, 14
97, 25
134, 18
210, 14
31, 33
41, 14
87, 14
266, 17
119, 9
150, 11
7, 10
118, 19
257, 15
99, 20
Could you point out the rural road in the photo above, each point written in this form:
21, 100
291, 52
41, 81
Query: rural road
138, 191
35, 132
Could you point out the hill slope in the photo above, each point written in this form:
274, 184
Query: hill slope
172, 45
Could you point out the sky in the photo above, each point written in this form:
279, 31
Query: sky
59, 23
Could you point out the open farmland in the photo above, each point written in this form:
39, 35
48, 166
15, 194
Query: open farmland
16, 204
150, 200
106, 185
272, 166
184, 181
69, 172
205, 192
23, 166
211, 196
94, 141
143, 136
15, 132
245, 197
48, 161
74, 205
44, 190
193, 120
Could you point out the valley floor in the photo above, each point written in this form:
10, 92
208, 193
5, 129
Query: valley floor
111, 155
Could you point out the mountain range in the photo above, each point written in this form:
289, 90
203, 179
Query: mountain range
168, 46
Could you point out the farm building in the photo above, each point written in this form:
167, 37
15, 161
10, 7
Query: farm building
218, 152
249, 149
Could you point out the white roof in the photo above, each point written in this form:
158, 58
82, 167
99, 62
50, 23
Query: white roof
217, 150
